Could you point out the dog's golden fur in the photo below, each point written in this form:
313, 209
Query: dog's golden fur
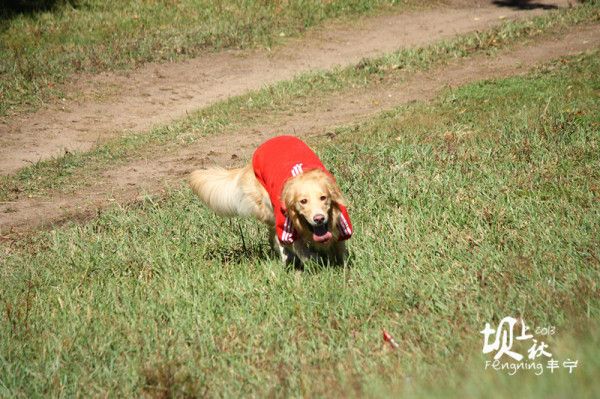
237, 192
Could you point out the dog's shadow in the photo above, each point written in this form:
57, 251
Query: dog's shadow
259, 250
238, 254
245, 248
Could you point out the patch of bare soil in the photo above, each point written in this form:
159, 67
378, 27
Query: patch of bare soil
125, 184
158, 93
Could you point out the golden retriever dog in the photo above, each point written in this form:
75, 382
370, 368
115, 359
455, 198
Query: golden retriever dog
287, 188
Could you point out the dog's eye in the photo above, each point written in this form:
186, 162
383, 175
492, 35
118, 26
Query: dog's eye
303, 201
323, 198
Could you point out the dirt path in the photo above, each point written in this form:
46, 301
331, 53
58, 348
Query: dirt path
127, 183
157, 94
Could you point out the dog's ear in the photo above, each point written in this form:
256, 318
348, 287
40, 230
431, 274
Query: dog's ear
288, 206
288, 198
335, 192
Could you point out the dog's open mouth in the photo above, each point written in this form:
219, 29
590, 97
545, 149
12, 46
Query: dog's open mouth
321, 233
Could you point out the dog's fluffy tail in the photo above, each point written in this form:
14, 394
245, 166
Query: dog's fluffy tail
222, 190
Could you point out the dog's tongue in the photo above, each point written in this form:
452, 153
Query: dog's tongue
324, 238
321, 234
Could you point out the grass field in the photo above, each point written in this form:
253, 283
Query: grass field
42, 46
483, 204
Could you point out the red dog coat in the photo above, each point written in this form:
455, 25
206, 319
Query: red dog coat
275, 161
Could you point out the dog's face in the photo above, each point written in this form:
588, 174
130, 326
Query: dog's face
311, 200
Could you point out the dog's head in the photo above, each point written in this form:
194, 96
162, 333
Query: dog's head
312, 201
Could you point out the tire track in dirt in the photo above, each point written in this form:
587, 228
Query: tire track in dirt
159, 93
126, 183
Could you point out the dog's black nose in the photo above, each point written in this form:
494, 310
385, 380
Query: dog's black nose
319, 219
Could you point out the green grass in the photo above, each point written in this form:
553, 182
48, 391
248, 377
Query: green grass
481, 205
39, 50
76, 169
